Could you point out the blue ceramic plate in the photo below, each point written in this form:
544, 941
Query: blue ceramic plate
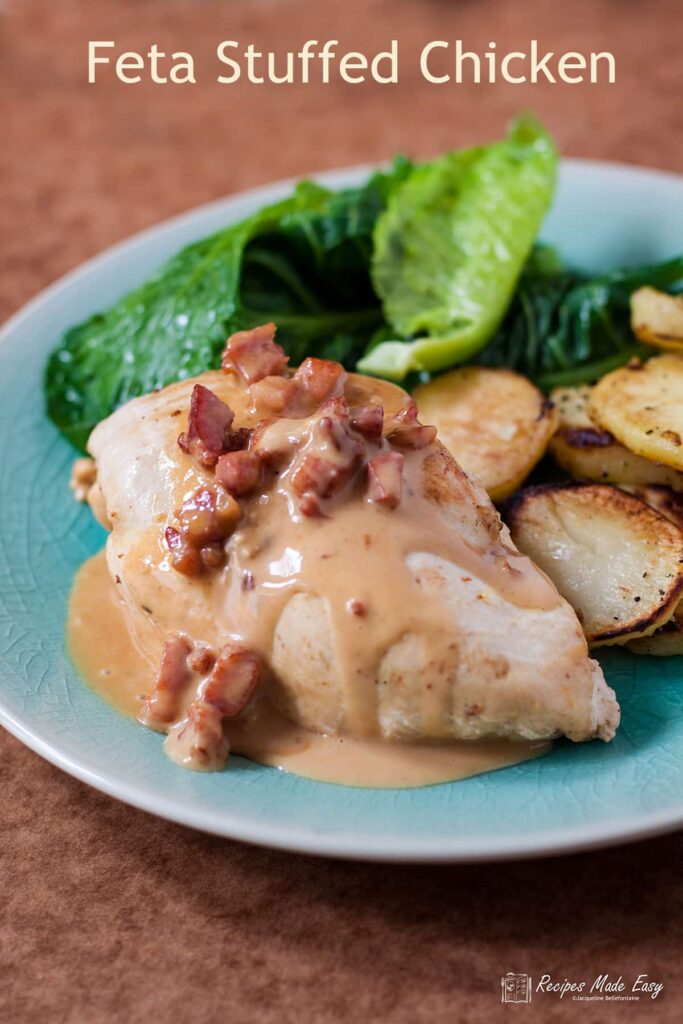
578, 796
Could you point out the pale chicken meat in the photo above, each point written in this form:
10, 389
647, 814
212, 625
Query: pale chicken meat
306, 539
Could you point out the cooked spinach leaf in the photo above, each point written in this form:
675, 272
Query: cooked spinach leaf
565, 328
302, 262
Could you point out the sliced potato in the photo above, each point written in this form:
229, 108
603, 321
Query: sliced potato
494, 422
587, 452
642, 405
617, 562
662, 499
668, 639
665, 642
657, 318
572, 406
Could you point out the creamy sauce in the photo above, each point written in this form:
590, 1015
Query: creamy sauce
121, 671
359, 556
355, 557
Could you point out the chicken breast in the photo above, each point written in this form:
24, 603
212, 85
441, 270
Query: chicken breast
334, 539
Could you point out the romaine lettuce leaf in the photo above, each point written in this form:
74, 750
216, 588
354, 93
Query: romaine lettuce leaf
449, 249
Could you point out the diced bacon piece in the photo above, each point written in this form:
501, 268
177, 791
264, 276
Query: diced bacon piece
210, 514
261, 441
385, 479
165, 703
310, 506
185, 559
408, 414
408, 432
254, 354
316, 380
331, 456
274, 439
238, 472
237, 440
319, 476
203, 524
198, 741
202, 659
273, 396
233, 680
208, 431
333, 429
368, 420
212, 555
336, 406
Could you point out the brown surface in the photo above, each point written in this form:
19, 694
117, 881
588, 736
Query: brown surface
109, 915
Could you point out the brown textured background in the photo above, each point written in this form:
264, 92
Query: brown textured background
108, 915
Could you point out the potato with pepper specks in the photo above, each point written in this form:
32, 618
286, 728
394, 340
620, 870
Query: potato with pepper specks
495, 423
657, 318
642, 405
587, 452
618, 562
668, 639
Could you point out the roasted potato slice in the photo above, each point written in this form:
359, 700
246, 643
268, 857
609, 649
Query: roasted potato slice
587, 452
668, 639
657, 318
494, 422
642, 405
617, 561
664, 500
665, 642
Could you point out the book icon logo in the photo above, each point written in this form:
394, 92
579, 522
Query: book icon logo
515, 988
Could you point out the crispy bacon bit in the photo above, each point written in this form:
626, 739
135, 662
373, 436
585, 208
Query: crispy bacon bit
273, 396
233, 680
310, 506
210, 514
337, 451
316, 380
202, 660
208, 430
320, 476
408, 432
385, 473
212, 555
356, 607
271, 445
185, 559
254, 354
248, 582
164, 705
238, 472
203, 524
336, 406
198, 741
368, 420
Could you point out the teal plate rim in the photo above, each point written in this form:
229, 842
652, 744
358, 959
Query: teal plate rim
577, 797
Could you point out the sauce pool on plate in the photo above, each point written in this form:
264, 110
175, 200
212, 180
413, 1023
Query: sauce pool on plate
109, 660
